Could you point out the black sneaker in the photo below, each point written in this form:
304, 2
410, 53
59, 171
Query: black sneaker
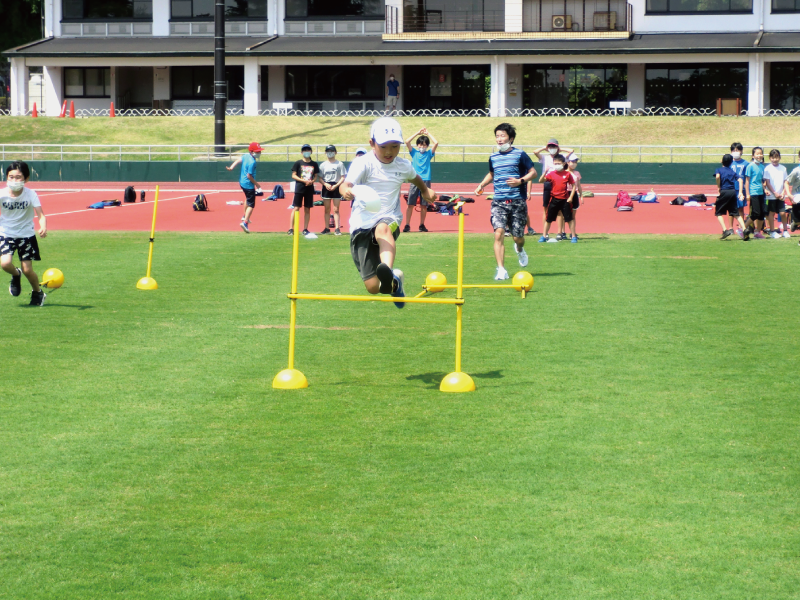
337, 231
407, 228
306, 232
290, 232
37, 298
386, 277
14, 287
325, 231
560, 237
726, 233
423, 228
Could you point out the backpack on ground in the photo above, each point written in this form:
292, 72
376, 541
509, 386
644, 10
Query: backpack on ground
679, 201
129, 195
277, 192
623, 202
200, 203
141, 195
701, 198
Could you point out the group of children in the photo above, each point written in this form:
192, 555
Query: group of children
772, 193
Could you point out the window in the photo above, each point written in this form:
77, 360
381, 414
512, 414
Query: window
197, 83
694, 86
784, 86
461, 87
573, 86
334, 8
87, 83
107, 9
204, 9
779, 6
332, 82
454, 15
699, 6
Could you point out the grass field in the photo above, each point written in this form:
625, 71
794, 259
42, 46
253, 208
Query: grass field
633, 435
687, 131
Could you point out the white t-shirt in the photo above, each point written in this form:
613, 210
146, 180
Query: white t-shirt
776, 176
546, 161
16, 214
331, 172
384, 179
794, 182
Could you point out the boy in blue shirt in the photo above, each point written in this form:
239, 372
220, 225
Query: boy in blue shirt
726, 199
510, 169
738, 166
754, 183
247, 181
421, 159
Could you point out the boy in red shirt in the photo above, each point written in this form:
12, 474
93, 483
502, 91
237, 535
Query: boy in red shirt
560, 197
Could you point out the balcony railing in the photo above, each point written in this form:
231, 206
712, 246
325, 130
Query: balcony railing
577, 15
452, 20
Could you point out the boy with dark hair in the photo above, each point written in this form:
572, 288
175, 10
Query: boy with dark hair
754, 182
510, 169
332, 173
561, 197
304, 172
726, 198
774, 178
738, 166
373, 234
18, 205
421, 159
546, 159
247, 181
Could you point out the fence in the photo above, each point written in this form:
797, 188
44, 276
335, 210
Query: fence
446, 153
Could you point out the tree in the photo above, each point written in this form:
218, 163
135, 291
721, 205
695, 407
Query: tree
22, 22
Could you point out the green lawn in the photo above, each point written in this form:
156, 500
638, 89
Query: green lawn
634, 434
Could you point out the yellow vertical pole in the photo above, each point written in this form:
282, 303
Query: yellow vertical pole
147, 282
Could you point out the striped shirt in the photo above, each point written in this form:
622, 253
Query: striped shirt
512, 164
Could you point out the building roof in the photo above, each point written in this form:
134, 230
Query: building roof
669, 43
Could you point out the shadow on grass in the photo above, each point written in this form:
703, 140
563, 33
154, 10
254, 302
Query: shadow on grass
78, 306
552, 274
434, 379
304, 133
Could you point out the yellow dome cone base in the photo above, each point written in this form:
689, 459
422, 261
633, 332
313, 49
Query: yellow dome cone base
290, 379
457, 382
146, 283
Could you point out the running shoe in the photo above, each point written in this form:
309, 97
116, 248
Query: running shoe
244, 226
561, 236
574, 239
521, 255
775, 235
759, 236
423, 228
14, 288
740, 233
397, 288
531, 231
501, 274
290, 232
337, 231
305, 232
726, 233
544, 238
507, 234
325, 231
37, 298
407, 229
786, 234
385, 276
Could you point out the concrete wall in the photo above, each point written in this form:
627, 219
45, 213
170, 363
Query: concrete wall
636, 83
514, 95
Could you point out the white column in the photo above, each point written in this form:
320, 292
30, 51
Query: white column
19, 86
161, 15
272, 16
497, 106
252, 87
514, 86
514, 16
396, 9
281, 12
636, 84
161, 87
54, 89
755, 86
277, 84
53, 7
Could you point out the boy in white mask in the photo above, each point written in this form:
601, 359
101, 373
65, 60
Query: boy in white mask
18, 204
738, 166
545, 155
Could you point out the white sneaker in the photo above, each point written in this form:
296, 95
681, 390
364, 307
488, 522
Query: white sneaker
523, 257
786, 234
775, 235
501, 274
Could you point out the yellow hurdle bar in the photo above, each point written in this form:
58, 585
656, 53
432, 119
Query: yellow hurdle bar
345, 298
470, 285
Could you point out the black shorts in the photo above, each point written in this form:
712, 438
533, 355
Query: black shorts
249, 197
26, 248
758, 207
557, 206
334, 194
414, 195
727, 203
776, 206
548, 187
796, 213
365, 250
576, 202
304, 198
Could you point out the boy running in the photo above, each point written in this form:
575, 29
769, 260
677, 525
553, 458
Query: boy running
373, 235
247, 181
510, 169
421, 159
560, 196
18, 204
727, 201
332, 173
304, 172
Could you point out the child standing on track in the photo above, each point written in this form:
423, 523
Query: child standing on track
754, 183
332, 173
560, 198
247, 181
510, 169
421, 159
373, 234
738, 167
572, 165
304, 172
727, 201
18, 205
774, 178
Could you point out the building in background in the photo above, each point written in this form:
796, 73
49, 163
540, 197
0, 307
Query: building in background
500, 56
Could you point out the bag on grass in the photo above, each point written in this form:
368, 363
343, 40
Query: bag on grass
623, 202
200, 203
129, 195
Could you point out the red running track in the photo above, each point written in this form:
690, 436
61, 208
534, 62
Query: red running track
65, 205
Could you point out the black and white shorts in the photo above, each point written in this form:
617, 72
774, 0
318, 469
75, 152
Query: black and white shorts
26, 248
510, 216
365, 250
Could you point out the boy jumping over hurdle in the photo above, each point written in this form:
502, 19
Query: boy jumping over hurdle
373, 234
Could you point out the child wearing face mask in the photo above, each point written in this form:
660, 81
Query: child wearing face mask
563, 188
18, 205
754, 183
247, 181
738, 166
774, 178
304, 173
332, 173
421, 159
545, 155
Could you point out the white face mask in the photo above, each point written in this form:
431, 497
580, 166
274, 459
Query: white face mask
306, 154
329, 154
558, 167
552, 151
256, 156
736, 155
16, 186
759, 159
503, 147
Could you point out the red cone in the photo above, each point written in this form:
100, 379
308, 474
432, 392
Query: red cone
71, 109
111, 112
35, 113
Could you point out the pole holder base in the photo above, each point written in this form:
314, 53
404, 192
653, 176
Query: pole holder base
146, 283
290, 379
457, 382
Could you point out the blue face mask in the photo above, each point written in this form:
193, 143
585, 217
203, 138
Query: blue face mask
306, 154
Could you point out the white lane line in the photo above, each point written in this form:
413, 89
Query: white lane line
72, 212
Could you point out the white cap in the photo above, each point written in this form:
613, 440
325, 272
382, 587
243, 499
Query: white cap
386, 130
572, 158
360, 151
